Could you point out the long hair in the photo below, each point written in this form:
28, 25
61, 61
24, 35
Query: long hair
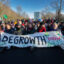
0, 28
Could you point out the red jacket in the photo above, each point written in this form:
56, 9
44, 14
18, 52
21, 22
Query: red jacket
43, 29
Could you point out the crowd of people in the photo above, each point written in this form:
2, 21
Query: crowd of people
24, 27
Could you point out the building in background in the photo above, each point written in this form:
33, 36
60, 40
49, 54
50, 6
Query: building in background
37, 15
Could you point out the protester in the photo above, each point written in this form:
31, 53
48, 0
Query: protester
1, 29
19, 28
25, 32
49, 26
55, 27
24, 26
3, 26
62, 28
8, 29
1, 48
42, 28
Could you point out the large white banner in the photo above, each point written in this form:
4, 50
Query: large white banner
45, 39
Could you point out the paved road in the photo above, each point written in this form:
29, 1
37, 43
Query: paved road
38, 56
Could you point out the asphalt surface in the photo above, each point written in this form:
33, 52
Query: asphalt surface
37, 56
